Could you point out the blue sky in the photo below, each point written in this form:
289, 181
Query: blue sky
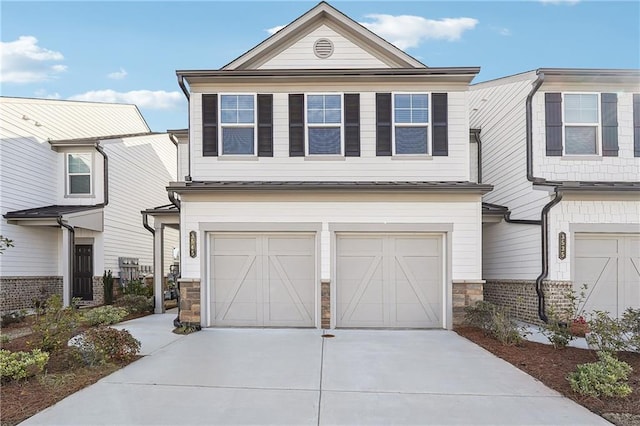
129, 51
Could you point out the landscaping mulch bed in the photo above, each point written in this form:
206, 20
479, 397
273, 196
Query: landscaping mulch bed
551, 366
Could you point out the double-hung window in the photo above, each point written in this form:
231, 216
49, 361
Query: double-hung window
79, 174
411, 123
581, 123
237, 124
324, 124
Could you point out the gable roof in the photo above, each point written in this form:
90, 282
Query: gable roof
324, 13
50, 119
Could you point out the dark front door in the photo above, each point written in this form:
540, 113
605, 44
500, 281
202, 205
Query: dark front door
83, 272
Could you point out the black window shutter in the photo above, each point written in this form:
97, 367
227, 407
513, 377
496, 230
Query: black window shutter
609, 113
383, 124
265, 125
440, 127
209, 125
296, 125
636, 125
553, 123
352, 125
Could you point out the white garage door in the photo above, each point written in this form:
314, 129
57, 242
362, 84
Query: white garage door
609, 265
263, 280
391, 281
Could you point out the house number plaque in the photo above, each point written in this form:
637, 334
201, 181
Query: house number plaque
193, 248
562, 245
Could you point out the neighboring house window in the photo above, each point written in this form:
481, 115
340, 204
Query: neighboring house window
411, 123
79, 174
324, 124
237, 124
581, 123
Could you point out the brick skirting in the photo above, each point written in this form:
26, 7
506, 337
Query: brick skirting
521, 300
325, 304
465, 293
189, 301
18, 293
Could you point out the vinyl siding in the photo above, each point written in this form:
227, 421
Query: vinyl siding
461, 211
281, 167
346, 54
624, 167
139, 170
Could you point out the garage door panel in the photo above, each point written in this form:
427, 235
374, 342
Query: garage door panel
360, 292
600, 276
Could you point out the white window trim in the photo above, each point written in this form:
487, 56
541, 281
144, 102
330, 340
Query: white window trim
222, 125
314, 125
393, 125
597, 125
68, 175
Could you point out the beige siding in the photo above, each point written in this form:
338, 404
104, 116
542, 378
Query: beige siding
454, 167
139, 170
171, 241
461, 211
346, 54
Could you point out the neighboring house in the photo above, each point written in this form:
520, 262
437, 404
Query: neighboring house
73, 179
562, 149
327, 184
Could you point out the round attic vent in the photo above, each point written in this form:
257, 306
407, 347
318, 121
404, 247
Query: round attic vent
323, 48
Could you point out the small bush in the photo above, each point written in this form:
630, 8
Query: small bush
20, 365
614, 335
107, 282
54, 325
606, 377
495, 321
105, 315
105, 344
135, 304
557, 332
13, 317
137, 288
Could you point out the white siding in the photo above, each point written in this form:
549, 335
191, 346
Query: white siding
585, 211
139, 170
171, 241
624, 167
473, 162
367, 167
346, 54
183, 160
510, 251
461, 211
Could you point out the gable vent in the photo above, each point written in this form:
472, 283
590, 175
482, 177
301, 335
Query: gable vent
323, 48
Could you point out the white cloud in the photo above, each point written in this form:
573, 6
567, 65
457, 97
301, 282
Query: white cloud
42, 93
502, 31
118, 75
158, 99
23, 61
407, 31
568, 2
275, 29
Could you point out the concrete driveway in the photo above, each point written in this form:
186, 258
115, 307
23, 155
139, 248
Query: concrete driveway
297, 377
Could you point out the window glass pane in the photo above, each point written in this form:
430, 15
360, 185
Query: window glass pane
80, 184
325, 140
411, 140
228, 102
245, 116
315, 116
420, 116
580, 140
403, 115
332, 101
229, 116
332, 116
79, 163
315, 102
237, 140
402, 101
245, 102
420, 101
581, 108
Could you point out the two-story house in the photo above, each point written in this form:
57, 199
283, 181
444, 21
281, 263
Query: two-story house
73, 179
562, 149
328, 185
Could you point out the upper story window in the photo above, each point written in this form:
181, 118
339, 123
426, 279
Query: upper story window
411, 123
581, 123
237, 124
324, 124
79, 173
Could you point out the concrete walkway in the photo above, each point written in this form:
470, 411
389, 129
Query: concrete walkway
297, 377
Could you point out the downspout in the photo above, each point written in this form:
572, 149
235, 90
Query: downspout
174, 200
545, 254
145, 223
72, 238
186, 93
476, 136
105, 177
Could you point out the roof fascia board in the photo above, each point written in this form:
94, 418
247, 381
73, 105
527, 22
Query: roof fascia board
302, 25
93, 140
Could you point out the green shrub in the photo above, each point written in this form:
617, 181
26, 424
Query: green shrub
606, 377
54, 325
135, 304
105, 344
107, 282
105, 315
613, 334
495, 321
557, 332
13, 317
137, 288
20, 365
